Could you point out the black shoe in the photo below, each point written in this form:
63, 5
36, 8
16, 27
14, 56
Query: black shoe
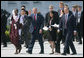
41, 53
4, 45
29, 52
26, 46
68, 52
63, 54
73, 53
80, 43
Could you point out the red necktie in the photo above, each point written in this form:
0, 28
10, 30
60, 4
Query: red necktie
35, 21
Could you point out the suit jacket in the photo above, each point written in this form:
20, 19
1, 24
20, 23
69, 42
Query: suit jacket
3, 22
27, 21
76, 16
81, 23
39, 23
70, 12
25, 28
71, 23
56, 18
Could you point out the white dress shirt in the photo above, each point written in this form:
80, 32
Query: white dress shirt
21, 21
79, 15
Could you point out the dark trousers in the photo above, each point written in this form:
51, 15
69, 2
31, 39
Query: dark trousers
3, 38
69, 43
64, 39
27, 40
79, 33
64, 35
57, 43
35, 36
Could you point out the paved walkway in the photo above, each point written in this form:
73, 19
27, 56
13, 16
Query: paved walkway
9, 51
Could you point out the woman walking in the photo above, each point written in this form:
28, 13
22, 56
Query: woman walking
14, 35
52, 31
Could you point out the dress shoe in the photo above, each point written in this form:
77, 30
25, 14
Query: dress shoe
80, 43
63, 54
68, 52
16, 52
29, 52
4, 45
41, 53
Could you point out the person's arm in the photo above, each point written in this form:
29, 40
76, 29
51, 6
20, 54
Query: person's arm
74, 24
46, 20
42, 22
57, 16
61, 23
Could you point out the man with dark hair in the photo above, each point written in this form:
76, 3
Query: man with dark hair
80, 24
74, 12
23, 7
66, 6
3, 27
68, 23
26, 36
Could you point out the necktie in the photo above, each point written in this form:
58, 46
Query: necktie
65, 21
35, 17
60, 11
35, 21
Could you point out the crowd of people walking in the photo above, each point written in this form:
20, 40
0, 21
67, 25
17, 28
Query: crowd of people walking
27, 27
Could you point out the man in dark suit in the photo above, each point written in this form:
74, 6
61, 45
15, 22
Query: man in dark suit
56, 20
79, 23
68, 7
74, 12
3, 27
68, 24
36, 30
26, 36
64, 35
